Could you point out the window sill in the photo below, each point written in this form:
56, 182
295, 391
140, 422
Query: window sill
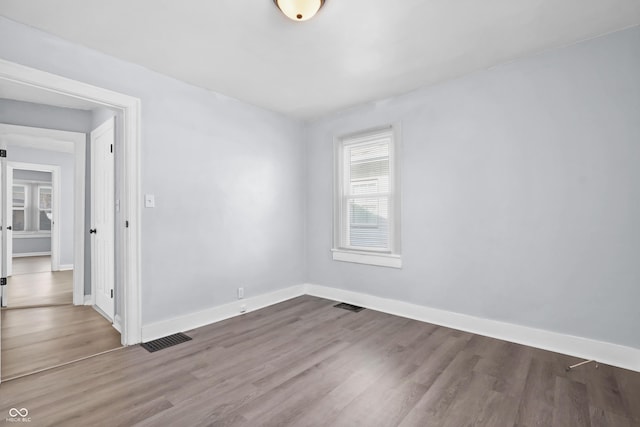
369, 258
27, 235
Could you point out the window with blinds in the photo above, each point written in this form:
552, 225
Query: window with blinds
32, 207
19, 207
366, 210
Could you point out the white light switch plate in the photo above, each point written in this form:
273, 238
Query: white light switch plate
149, 201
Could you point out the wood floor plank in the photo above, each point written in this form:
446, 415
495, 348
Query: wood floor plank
305, 363
571, 407
537, 398
602, 418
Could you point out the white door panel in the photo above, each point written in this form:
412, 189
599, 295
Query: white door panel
3, 289
5, 219
8, 204
103, 217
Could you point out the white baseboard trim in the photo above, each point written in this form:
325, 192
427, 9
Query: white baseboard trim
190, 321
26, 254
584, 348
65, 267
88, 300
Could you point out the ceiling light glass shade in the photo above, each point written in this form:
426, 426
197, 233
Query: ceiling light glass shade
299, 10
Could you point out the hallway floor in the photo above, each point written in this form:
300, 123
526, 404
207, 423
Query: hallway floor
31, 264
34, 284
43, 337
41, 328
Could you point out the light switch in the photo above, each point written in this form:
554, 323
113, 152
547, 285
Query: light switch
149, 201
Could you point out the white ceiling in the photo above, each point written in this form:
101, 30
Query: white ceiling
352, 52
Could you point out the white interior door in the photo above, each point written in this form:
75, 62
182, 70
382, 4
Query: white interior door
4, 219
103, 217
8, 215
3, 287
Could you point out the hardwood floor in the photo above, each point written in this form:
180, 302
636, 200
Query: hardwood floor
305, 363
32, 284
31, 264
38, 338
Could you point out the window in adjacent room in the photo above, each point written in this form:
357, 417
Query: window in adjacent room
32, 203
44, 208
19, 207
367, 201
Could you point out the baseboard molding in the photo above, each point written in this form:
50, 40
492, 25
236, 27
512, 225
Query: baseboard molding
603, 352
584, 348
215, 314
88, 300
65, 267
26, 254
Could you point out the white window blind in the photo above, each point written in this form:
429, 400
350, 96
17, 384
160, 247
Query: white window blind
19, 206
44, 208
32, 207
366, 210
367, 195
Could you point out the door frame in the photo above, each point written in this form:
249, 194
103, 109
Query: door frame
127, 179
55, 226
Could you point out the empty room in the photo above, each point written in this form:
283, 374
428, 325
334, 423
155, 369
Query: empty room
320, 213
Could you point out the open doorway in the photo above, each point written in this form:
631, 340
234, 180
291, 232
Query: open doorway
31, 85
35, 276
32, 199
43, 213
45, 221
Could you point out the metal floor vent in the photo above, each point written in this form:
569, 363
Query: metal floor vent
165, 342
349, 307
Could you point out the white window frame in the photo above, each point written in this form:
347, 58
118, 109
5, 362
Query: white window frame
32, 209
385, 257
40, 210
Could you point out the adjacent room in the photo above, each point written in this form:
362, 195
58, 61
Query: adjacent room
320, 213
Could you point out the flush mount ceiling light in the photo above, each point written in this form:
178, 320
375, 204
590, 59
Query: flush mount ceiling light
299, 10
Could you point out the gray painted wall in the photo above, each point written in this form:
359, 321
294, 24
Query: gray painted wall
521, 190
228, 179
66, 163
30, 244
44, 116
29, 175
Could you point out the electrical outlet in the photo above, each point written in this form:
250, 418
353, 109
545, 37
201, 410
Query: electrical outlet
243, 308
240, 293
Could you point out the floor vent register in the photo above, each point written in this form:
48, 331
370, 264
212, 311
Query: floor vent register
349, 307
165, 342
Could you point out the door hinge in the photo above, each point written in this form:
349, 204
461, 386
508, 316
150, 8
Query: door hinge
111, 293
3, 281
3, 153
112, 148
126, 224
